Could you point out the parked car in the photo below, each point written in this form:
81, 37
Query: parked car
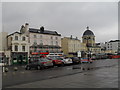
86, 60
56, 61
46, 62
76, 60
41, 63
34, 64
67, 60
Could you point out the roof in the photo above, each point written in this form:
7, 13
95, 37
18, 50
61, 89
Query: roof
88, 32
32, 30
114, 41
13, 33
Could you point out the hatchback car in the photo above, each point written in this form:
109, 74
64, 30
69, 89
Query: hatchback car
66, 60
76, 60
34, 64
46, 62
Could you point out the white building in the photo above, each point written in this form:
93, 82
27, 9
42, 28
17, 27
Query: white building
113, 46
42, 40
19, 48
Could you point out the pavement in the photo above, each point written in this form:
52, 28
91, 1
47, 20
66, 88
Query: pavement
104, 75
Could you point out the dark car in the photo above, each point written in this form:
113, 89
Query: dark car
35, 64
76, 60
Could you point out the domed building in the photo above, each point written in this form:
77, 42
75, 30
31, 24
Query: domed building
88, 38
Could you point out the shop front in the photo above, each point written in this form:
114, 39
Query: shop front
19, 58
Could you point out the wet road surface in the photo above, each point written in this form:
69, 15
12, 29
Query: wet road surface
99, 71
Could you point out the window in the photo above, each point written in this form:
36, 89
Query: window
35, 36
89, 38
16, 47
51, 42
23, 48
40, 36
16, 37
56, 42
41, 42
35, 42
11, 38
56, 38
51, 37
23, 38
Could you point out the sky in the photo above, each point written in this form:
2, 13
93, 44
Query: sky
67, 18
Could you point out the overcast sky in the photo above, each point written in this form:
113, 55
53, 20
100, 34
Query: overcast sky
67, 18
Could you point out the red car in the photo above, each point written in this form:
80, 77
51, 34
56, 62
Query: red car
56, 61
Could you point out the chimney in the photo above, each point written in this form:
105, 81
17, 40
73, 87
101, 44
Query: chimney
22, 29
42, 29
76, 38
26, 27
71, 37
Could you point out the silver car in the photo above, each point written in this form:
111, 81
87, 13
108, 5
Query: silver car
67, 60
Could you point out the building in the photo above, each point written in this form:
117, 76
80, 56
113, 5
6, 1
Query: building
103, 47
113, 46
70, 46
3, 48
3, 41
42, 40
89, 39
18, 46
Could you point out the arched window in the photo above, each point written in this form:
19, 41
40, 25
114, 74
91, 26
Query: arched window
16, 47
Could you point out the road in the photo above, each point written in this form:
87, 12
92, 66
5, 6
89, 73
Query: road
99, 74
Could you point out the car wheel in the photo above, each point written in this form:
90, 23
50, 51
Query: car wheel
38, 67
54, 64
62, 64
28, 68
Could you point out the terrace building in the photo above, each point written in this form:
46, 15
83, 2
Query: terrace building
18, 46
71, 46
42, 40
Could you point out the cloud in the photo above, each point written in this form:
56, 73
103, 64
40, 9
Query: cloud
67, 18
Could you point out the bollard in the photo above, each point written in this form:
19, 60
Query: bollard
15, 68
88, 69
91, 68
83, 68
3, 69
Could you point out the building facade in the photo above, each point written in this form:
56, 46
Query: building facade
113, 46
70, 46
42, 40
18, 46
3, 48
89, 39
